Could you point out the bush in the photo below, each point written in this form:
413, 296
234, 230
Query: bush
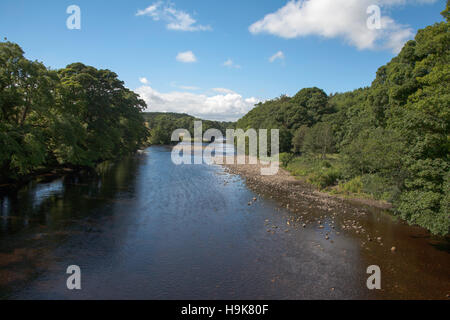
374, 151
325, 178
379, 187
319, 139
298, 139
355, 185
422, 208
286, 158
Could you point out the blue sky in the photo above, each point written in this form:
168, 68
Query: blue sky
223, 47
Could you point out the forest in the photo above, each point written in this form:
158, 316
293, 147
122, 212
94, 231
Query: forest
161, 125
389, 141
74, 117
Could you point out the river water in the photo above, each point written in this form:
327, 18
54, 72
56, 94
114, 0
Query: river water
144, 228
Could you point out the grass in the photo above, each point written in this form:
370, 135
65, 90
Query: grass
322, 173
328, 175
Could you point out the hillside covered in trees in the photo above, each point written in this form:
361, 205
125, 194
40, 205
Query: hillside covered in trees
162, 125
389, 141
76, 116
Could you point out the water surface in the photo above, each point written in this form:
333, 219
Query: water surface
145, 228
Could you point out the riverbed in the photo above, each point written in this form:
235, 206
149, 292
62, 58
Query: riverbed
145, 228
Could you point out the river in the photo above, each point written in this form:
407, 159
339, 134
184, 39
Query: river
144, 228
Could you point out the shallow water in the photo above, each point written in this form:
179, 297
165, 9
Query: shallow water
145, 228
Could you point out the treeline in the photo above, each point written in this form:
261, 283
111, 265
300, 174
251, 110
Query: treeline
390, 140
162, 125
76, 116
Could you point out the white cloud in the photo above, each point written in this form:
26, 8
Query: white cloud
143, 80
151, 11
226, 106
175, 19
223, 90
278, 55
230, 64
186, 57
346, 19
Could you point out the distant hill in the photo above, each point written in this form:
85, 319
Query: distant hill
162, 125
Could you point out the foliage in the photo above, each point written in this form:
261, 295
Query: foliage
286, 158
319, 139
287, 114
298, 139
162, 125
392, 137
76, 116
319, 172
353, 186
374, 151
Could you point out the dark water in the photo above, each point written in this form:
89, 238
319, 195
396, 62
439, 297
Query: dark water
147, 229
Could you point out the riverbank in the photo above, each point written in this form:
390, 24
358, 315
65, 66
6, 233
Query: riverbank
381, 237
44, 175
48, 174
285, 183
363, 218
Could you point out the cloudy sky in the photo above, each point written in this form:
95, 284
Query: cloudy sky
216, 59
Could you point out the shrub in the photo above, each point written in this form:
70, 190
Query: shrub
422, 208
355, 185
325, 178
379, 187
286, 158
298, 139
319, 139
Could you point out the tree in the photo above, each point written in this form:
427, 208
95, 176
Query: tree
375, 151
77, 116
298, 139
319, 140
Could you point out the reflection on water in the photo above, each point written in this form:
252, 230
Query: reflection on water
144, 228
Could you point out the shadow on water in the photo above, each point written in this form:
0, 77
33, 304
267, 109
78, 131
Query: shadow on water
39, 217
